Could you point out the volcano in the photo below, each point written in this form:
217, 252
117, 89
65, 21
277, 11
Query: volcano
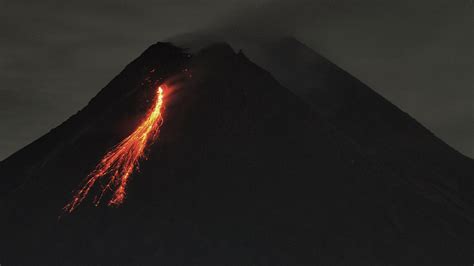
251, 167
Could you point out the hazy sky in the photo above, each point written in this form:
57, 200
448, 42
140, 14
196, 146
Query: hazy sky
56, 55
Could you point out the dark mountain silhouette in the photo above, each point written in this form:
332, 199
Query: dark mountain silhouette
244, 172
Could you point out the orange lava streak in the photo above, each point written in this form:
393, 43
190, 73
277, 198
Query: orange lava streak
120, 162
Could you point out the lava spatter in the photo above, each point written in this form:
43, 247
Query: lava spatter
120, 162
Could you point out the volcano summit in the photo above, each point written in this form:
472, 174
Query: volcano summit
251, 168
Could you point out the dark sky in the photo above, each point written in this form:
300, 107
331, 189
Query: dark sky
55, 55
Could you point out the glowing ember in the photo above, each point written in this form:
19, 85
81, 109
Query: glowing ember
120, 162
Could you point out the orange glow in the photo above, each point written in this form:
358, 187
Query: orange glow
120, 162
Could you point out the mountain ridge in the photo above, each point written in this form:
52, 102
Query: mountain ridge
244, 172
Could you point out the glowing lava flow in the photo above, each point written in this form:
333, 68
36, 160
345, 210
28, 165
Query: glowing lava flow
120, 162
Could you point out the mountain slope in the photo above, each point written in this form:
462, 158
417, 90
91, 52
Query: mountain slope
244, 172
378, 126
